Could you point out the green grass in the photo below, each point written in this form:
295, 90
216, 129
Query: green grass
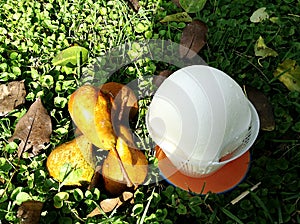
33, 32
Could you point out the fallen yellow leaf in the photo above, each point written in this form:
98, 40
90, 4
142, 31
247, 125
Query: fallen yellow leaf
70, 155
289, 74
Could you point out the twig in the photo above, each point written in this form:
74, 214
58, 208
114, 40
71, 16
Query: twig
7, 185
147, 207
294, 15
20, 152
241, 55
244, 194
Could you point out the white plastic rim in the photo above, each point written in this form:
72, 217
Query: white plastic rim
198, 115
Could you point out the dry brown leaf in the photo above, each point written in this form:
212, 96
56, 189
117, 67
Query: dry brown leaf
126, 196
176, 2
263, 107
134, 4
108, 205
95, 212
29, 212
193, 39
33, 129
158, 80
12, 95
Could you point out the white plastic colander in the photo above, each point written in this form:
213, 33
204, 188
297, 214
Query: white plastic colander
201, 119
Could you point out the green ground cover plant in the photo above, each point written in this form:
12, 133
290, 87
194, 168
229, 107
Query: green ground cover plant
32, 33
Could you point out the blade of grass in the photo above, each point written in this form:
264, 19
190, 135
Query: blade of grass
293, 196
262, 205
280, 219
230, 215
213, 217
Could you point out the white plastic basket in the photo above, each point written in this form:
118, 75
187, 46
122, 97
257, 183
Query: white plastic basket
201, 119
190, 167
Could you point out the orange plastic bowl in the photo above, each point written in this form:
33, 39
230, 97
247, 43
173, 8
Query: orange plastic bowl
220, 181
